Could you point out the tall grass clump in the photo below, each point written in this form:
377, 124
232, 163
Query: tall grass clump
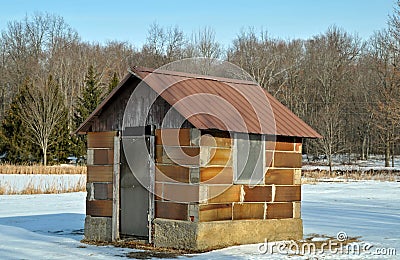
42, 184
314, 176
41, 169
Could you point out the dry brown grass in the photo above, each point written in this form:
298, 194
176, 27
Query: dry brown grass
40, 169
315, 176
48, 188
150, 251
43, 188
30, 189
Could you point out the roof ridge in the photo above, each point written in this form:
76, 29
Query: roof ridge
194, 76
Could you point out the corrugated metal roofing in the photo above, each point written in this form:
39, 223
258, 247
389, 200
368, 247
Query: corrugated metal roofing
225, 104
222, 103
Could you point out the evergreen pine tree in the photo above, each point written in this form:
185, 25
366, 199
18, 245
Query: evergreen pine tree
113, 82
15, 135
90, 98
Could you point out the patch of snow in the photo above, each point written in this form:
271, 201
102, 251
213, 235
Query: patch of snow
368, 209
47, 226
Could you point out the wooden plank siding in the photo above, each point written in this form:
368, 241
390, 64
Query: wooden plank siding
173, 137
171, 210
223, 194
176, 155
215, 212
103, 156
178, 192
96, 173
101, 139
287, 160
216, 175
99, 208
257, 193
215, 156
172, 173
181, 154
279, 210
287, 193
280, 176
111, 117
100, 167
279, 146
248, 211
216, 139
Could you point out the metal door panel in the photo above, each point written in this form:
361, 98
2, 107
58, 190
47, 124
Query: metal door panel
135, 180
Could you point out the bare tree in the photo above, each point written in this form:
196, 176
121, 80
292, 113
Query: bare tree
175, 44
384, 66
394, 22
206, 44
35, 47
331, 57
262, 57
360, 100
162, 46
42, 110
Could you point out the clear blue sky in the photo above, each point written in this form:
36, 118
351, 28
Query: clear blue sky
129, 20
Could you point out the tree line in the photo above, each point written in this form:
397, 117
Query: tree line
345, 87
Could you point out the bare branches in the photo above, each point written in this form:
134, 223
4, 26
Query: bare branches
41, 110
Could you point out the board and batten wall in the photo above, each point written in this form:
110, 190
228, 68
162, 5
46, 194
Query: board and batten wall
136, 107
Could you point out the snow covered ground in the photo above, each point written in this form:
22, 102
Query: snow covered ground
368, 209
50, 226
47, 226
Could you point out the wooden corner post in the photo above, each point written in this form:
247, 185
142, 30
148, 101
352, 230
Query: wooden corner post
116, 184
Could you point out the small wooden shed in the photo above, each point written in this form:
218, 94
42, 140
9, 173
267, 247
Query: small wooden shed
193, 162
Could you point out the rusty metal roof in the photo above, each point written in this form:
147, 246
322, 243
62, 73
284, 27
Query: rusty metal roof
221, 103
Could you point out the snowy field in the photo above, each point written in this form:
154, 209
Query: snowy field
50, 226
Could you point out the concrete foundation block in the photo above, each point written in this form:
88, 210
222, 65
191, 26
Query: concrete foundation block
175, 234
98, 229
218, 234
